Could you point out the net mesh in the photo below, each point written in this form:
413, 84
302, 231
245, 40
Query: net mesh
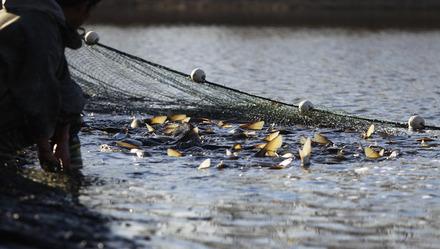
117, 81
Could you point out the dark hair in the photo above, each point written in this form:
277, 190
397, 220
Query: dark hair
68, 3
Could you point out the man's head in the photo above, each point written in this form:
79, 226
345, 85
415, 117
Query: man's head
77, 11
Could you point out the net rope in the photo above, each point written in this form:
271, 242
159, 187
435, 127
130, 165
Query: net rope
116, 81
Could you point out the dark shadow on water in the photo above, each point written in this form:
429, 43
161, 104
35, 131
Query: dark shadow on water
41, 210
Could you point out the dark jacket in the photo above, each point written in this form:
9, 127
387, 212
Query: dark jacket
35, 83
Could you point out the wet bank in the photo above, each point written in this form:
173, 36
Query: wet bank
346, 13
40, 210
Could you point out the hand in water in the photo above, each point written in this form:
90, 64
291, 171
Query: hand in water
49, 162
55, 158
62, 153
61, 146
47, 159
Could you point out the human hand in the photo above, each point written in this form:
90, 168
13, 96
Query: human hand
62, 153
61, 147
47, 159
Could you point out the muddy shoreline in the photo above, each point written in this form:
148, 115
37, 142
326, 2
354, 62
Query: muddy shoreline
423, 14
346, 13
40, 210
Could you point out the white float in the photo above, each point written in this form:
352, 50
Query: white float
416, 122
91, 38
305, 106
198, 75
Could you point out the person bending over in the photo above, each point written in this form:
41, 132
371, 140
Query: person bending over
39, 102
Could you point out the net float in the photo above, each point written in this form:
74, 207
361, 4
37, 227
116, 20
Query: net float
198, 75
416, 122
305, 106
91, 38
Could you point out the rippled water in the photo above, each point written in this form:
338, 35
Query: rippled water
164, 202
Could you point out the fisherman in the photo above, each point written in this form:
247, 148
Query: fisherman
40, 104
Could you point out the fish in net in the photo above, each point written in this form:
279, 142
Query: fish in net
117, 81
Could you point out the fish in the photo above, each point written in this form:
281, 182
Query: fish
126, 145
158, 120
170, 129
302, 140
271, 154
340, 155
204, 121
306, 153
220, 165
129, 144
260, 146
249, 134
205, 164
208, 130
189, 138
371, 154
172, 126
425, 139
271, 136
223, 124
230, 153
177, 130
274, 144
150, 129
237, 147
321, 139
393, 155
271, 147
174, 153
425, 144
139, 153
288, 155
136, 123
240, 134
177, 117
282, 165
253, 126
369, 132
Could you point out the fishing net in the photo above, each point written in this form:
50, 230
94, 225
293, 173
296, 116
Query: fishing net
117, 81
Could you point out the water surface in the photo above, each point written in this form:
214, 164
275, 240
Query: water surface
163, 202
